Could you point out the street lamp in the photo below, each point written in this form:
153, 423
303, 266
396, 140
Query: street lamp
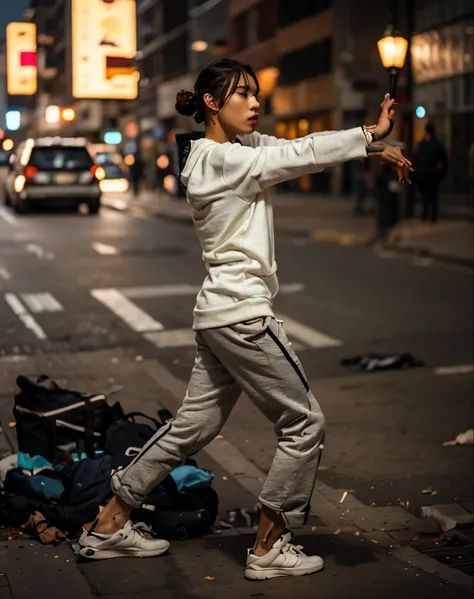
393, 51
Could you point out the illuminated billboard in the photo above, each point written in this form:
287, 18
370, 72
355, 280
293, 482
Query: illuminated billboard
104, 46
21, 59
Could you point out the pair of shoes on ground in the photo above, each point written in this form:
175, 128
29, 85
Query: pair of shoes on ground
138, 540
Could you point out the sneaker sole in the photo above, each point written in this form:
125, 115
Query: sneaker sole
251, 574
91, 553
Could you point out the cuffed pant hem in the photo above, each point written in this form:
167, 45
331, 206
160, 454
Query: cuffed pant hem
124, 493
293, 518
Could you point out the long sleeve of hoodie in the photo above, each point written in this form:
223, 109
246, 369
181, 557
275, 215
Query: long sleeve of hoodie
249, 170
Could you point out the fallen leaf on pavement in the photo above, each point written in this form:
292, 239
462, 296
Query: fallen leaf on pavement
433, 493
114, 360
224, 478
176, 361
138, 358
427, 491
374, 541
12, 424
357, 533
337, 532
313, 528
344, 495
208, 577
220, 437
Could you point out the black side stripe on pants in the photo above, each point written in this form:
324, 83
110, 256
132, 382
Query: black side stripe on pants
289, 358
151, 443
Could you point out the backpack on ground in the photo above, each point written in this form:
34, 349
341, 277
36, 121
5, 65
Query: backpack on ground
53, 422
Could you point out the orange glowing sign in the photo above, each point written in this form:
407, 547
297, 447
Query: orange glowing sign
21, 59
104, 46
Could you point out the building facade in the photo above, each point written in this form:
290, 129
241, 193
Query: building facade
442, 55
329, 75
93, 117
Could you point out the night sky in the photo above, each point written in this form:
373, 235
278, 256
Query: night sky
11, 12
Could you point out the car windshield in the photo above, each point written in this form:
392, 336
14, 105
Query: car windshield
61, 158
112, 171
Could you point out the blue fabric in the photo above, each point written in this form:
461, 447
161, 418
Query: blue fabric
34, 487
188, 477
26, 462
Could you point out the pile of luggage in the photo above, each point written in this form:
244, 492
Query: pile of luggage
70, 444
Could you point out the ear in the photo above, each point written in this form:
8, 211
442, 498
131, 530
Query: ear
210, 102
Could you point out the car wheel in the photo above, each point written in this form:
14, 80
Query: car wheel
20, 206
6, 197
94, 207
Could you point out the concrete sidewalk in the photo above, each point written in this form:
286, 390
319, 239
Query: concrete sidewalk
367, 553
329, 219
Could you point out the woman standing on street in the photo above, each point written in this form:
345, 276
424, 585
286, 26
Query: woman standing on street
241, 346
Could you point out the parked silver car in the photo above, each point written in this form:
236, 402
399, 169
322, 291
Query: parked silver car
53, 171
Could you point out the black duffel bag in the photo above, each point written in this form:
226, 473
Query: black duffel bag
53, 422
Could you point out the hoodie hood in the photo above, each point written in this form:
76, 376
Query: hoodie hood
183, 141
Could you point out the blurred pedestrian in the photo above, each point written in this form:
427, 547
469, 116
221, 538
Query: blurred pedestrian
135, 174
431, 167
241, 344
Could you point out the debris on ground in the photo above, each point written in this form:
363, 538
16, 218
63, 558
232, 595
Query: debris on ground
373, 362
446, 522
466, 438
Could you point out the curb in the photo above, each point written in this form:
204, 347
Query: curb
425, 252
318, 236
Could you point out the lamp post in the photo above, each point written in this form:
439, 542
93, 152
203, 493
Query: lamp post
393, 51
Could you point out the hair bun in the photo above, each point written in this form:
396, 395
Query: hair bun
186, 103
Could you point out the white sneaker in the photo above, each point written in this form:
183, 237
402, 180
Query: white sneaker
283, 559
133, 540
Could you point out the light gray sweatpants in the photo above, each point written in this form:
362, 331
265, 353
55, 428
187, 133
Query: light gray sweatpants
257, 358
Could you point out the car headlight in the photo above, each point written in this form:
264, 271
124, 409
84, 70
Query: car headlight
19, 183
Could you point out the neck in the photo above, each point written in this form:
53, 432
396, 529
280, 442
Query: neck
217, 133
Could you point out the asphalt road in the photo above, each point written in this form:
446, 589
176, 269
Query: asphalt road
116, 281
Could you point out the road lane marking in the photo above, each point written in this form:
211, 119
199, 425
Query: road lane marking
186, 289
7, 216
104, 249
175, 338
4, 274
22, 313
41, 302
451, 370
306, 335
129, 312
38, 251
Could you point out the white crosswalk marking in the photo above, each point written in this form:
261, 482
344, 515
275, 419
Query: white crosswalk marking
306, 335
186, 289
4, 274
41, 302
104, 249
19, 310
129, 312
39, 251
7, 216
175, 338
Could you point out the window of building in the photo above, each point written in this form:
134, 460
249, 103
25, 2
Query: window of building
290, 11
306, 63
255, 25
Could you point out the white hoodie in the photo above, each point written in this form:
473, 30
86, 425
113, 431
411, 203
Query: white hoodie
227, 187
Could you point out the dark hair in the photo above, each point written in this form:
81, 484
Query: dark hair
220, 79
430, 129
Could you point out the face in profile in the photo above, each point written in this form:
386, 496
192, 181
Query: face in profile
239, 114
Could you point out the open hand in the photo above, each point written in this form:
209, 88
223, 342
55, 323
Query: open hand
384, 124
394, 156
